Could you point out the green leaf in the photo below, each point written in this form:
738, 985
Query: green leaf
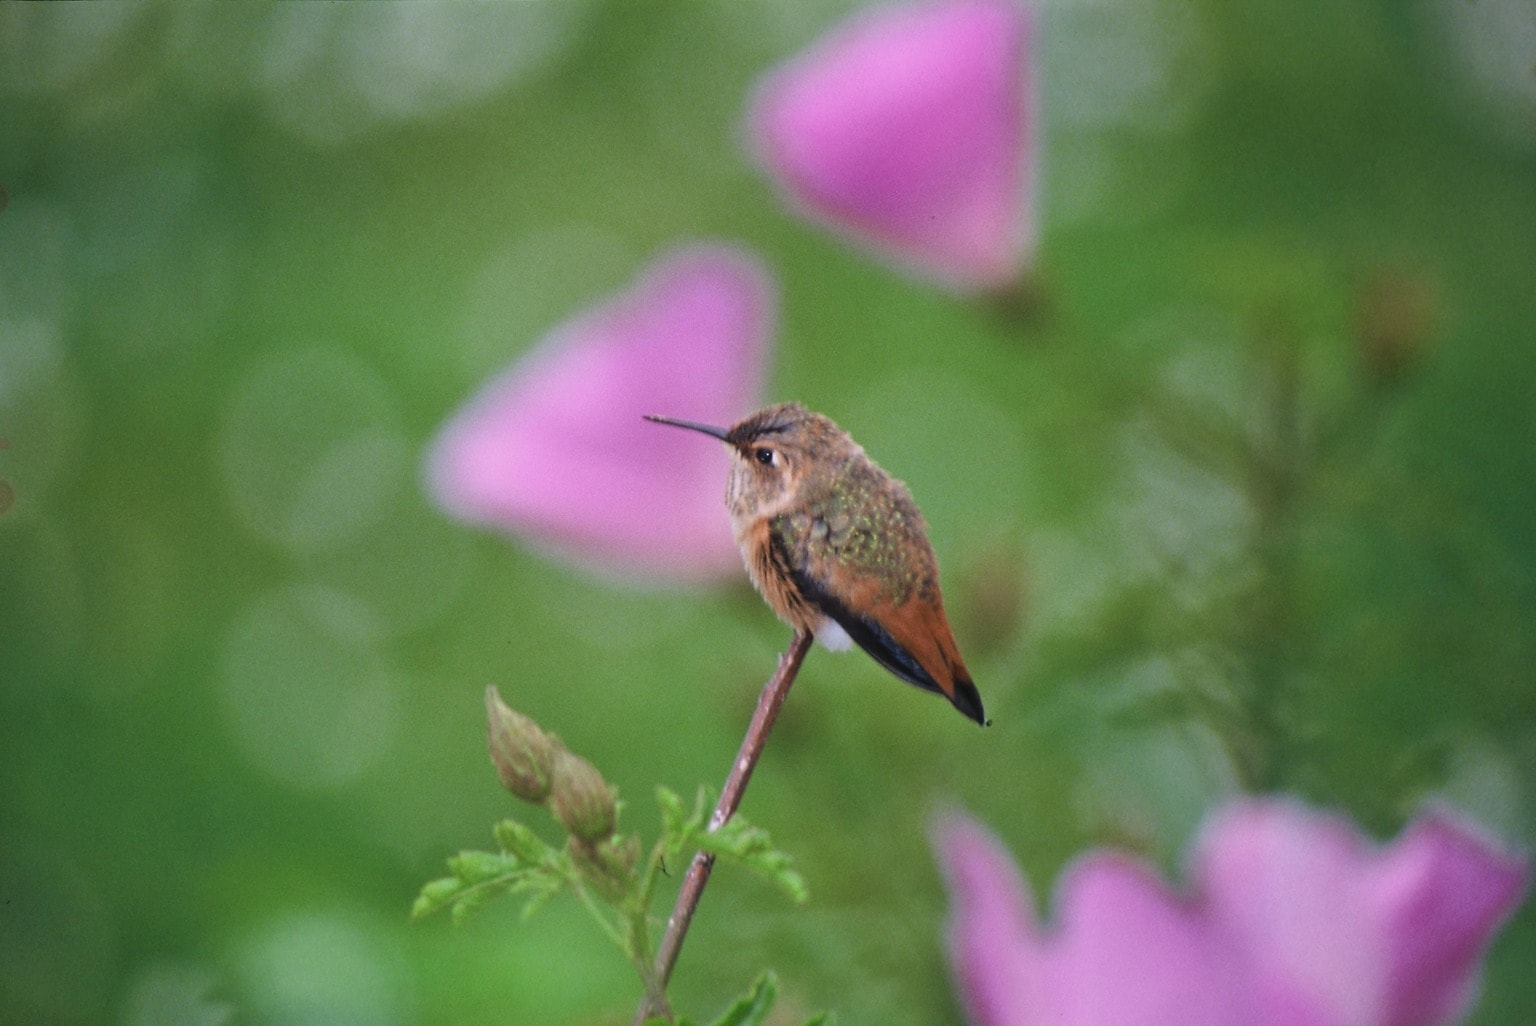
435, 895
680, 829
526, 866
824, 1019
752, 1008
674, 816
737, 841
516, 839
470, 900
474, 867
750, 846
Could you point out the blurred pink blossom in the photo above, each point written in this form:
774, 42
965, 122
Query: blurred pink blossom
908, 128
554, 450
1294, 920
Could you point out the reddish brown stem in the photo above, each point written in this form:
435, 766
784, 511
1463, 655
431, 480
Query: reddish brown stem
768, 705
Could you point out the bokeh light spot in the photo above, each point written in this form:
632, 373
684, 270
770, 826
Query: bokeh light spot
1126, 66
1115, 76
40, 410
416, 60
314, 969
1492, 44
46, 49
34, 283
167, 994
409, 569
311, 450
334, 74
307, 691
29, 356
533, 283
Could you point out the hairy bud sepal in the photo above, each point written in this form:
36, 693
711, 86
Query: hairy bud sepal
582, 800
524, 754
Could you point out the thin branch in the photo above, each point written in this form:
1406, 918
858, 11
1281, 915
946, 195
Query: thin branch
768, 704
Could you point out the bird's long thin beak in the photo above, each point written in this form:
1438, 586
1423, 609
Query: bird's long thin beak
713, 432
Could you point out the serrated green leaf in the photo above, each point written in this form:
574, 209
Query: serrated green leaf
751, 847
435, 895
527, 867
738, 837
516, 839
752, 1008
475, 867
736, 840
673, 814
681, 829
470, 900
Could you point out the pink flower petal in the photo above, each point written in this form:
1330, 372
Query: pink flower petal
1296, 921
1440, 891
994, 949
1282, 885
1339, 931
555, 451
1130, 952
907, 129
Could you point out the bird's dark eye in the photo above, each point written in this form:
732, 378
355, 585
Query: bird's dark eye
766, 457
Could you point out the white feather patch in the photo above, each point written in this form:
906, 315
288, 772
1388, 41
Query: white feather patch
832, 637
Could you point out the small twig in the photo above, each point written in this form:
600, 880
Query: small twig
768, 703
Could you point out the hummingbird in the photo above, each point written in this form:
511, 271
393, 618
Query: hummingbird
837, 547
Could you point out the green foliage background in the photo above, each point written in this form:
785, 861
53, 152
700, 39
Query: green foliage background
1251, 501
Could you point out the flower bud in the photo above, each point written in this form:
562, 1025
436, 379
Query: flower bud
523, 754
582, 800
